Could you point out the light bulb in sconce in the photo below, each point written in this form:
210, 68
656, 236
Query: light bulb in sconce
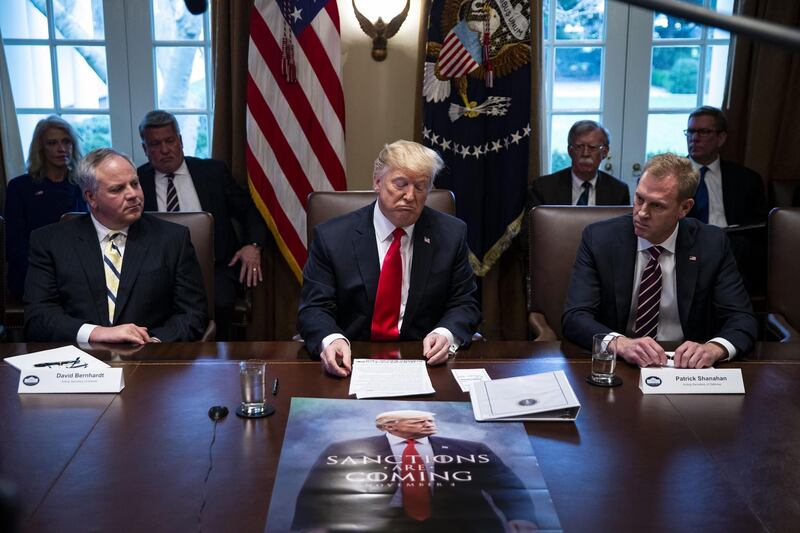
380, 32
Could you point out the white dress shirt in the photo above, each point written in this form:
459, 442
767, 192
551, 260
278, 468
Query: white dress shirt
102, 237
669, 320
184, 186
713, 179
383, 237
424, 449
577, 189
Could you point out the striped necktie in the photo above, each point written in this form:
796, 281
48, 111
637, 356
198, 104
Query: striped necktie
112, 261
584, 197
172, 194
649, 302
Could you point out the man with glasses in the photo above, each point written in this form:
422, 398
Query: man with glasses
728, 194
582, 183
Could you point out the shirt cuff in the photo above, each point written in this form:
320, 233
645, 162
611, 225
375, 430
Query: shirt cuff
330, 338
84, 333
451, 340
727, 345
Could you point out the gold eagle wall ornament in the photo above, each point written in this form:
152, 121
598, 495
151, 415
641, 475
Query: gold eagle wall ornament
380, 32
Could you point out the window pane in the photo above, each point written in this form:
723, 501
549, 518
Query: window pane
31, 78
672, 27
82, 77
79, 19
559, 128
94, 131
181, 77
716, 70
545, 19
673, 81
721, 6
665, 134
27, 123
577, 83
194, 132
20, 19
173, 22
580, 19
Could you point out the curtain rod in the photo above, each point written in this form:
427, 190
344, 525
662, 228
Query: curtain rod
757, 29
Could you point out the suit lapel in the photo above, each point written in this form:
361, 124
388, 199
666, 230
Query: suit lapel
90, 256
136, 246
420, 267
365, 250
564, 193
624, 261
147, 179
196, 173
601, 191
686, 264
728, 192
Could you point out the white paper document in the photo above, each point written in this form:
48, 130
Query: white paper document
546, 396
465, 376
65, 370
382, 378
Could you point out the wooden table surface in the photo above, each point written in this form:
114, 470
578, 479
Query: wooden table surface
136, 461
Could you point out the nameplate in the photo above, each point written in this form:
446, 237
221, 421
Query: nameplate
691, 381
52, 380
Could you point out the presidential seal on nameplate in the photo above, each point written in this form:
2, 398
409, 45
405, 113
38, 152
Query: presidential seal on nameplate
665, 380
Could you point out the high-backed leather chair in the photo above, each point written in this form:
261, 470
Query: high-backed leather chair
781, 192
554, 233
2, 277
783, 290
201, 233
324, 205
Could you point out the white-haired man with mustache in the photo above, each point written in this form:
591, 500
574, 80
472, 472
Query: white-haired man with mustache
114, 275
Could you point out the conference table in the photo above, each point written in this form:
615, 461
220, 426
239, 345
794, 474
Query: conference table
138, 460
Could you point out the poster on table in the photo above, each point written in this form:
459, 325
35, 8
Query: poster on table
342, 468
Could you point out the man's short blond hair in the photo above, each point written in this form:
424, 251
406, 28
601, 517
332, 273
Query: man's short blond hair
663, 165
409, 156
388, 417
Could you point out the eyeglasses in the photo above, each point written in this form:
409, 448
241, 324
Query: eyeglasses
702, 132
590, 147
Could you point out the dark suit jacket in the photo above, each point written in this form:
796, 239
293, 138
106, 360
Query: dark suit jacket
161, 286
220, 195
341, 274
742, 195
712, 301
336, 494
556, 189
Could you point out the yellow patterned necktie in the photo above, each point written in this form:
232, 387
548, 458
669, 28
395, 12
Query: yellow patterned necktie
112, 261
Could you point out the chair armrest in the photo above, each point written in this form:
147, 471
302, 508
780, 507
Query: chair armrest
777, 325
541, 329
210, 332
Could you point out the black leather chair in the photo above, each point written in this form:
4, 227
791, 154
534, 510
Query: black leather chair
783, 290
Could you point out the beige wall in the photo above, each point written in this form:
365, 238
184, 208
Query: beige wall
380, 97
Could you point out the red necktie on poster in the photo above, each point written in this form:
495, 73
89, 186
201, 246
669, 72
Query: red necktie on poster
386, 314
416, 494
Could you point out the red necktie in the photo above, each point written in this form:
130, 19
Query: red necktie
416, 495
387, 300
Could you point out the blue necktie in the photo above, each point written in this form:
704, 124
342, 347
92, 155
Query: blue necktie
701, 197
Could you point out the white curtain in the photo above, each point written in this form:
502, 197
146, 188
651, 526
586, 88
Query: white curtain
10, 144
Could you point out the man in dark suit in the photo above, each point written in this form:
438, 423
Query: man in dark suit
582, 183
428, 290
409, 479
172, 182
114, 275
657, 276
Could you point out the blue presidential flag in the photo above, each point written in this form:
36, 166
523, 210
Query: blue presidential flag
476, 114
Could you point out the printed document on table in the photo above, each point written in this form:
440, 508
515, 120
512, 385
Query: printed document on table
56, 355
465, 376
546, 396
380, 378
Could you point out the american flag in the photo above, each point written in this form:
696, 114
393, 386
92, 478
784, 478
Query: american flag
295, 129
461, 52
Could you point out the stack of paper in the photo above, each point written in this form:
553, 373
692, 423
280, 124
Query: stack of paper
546, 396
381, 378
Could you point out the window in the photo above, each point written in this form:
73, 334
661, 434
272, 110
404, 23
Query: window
87, 61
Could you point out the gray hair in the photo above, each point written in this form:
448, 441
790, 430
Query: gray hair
410, 156
588, 126
158, 119
389, 417
86, 171
36, 157
664, 165
720, 120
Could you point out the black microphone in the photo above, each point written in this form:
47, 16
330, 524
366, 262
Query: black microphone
196, 7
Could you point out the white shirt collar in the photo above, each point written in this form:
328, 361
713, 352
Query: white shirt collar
394, 439
182, 170
713, 166
102, 231
577, 183
384, 227
668, 244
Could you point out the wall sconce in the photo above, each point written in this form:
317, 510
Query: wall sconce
380, 32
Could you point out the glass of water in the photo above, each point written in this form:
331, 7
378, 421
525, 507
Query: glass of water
604, 360
252, 376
